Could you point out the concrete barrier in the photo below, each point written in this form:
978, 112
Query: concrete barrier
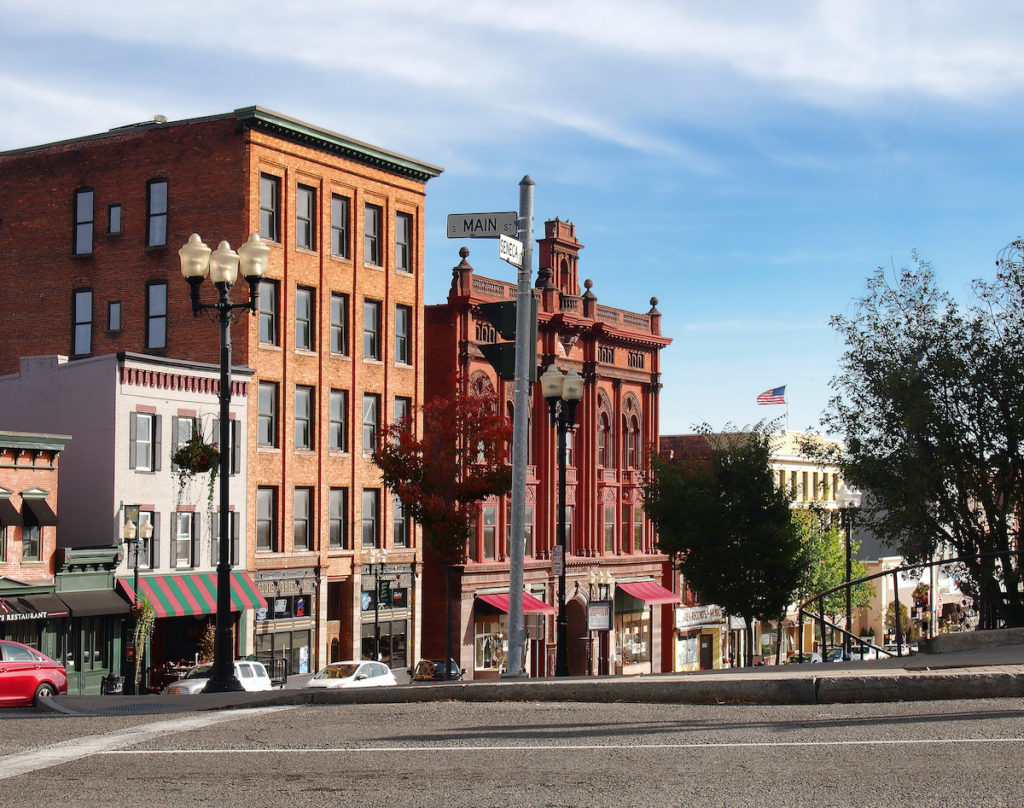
969, 640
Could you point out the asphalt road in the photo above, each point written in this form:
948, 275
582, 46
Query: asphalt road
453, 754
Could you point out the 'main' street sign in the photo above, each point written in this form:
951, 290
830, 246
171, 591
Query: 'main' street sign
482, 225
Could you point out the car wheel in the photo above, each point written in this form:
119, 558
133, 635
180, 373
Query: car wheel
44, 691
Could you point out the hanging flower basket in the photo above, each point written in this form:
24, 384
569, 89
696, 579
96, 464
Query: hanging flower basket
196, 457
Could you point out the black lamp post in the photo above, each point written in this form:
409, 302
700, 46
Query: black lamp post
136, 537
848, 499
563, 393
222, 266
378, 557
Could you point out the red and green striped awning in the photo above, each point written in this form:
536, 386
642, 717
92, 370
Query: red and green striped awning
189, 593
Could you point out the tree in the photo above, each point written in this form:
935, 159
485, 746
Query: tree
726, 525
909, 630
928, 398
443, 474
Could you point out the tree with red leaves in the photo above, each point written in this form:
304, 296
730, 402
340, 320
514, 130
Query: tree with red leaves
441, 477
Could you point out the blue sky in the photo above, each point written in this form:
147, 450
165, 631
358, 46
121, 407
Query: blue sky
748, 164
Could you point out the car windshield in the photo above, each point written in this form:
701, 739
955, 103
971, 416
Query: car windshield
199, 672
336, 672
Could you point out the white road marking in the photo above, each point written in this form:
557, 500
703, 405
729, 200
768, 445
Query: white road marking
76, 748
291, 750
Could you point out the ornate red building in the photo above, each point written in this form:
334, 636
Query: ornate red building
615, 575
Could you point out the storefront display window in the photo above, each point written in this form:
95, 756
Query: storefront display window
491, 643
632, 632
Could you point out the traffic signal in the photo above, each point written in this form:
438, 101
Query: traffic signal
502, 355
384, 593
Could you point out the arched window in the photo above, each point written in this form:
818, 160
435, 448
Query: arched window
631, 433
602, 440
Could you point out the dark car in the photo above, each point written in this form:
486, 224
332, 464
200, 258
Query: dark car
434, 670
26, 675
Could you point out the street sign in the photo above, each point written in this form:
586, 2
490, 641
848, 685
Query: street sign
557, 559
511, 250
482, 225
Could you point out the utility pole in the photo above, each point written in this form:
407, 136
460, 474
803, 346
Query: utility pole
520, 422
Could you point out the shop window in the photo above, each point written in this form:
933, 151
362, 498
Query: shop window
490, 645
632, 636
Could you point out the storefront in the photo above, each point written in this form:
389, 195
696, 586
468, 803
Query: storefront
286, 623
700, 632
490, 633
33, 618
385, 619
635, 625
184, 603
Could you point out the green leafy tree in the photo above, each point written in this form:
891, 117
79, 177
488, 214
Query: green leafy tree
443, 473
928, 399
909, 630
726, 525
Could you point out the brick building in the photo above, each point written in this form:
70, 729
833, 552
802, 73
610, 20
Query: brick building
618, 354
336, 347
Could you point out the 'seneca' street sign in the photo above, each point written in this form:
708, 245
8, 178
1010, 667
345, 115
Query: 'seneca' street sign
511, 250
482, 225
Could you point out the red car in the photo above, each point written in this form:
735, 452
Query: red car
27, 675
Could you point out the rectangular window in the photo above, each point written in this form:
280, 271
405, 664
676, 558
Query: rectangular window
268, 312
82, 240
339, 323
156, 315
266, 518
305, 217
339, 421
267, 421
82, 338
270, 207
215, 538
403, 408
399, 524
339, 518
31, 541
627, 526
146, 550
3, 544
403, 325
303, 417
371, 421
184, 533
371, 506
234, 443
302, 519
339, 225
304, 318
489, 527
113, 219
403, 242
156, 213
609, 528
144, 441
569, 509
371, 235
638, 530
182, 430
114, 316
371, 329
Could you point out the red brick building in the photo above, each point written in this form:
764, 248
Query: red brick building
89, 233
618, 354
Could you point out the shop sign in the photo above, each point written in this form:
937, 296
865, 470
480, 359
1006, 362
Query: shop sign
7, 617
599, 616
689, 616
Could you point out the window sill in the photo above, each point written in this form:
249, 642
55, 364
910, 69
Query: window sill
336, 355
269, 346
379, 267
305, 352
269, 449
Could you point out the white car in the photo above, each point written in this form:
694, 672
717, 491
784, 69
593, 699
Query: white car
252, 675
353, 673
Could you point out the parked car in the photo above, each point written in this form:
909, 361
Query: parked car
353, 673
813, 656
435, 670
835, 655
252, 675
26, 675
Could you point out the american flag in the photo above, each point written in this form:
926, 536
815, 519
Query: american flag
777, 395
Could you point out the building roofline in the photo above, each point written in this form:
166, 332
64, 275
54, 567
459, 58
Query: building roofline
282, 126
33, 440
297, 131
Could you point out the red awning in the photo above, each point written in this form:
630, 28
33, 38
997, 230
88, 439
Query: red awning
193, 593
530, 603
649, 592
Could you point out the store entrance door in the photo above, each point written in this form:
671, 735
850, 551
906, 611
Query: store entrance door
707, 657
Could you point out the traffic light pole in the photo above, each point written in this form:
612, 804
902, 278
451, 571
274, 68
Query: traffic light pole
521, 405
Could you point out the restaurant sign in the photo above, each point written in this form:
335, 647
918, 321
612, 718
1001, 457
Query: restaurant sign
690, 616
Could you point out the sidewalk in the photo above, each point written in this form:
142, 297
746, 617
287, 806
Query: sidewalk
987, 672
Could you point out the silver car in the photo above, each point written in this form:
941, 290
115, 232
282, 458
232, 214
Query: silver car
252, 675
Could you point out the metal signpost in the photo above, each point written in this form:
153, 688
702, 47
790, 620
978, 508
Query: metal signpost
506, 226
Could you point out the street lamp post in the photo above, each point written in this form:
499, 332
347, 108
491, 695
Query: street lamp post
378, 557
563, 393
222, 265
848, 499
144, 533
601, 582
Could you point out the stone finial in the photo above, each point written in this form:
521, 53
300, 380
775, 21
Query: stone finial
654, 306
588, 295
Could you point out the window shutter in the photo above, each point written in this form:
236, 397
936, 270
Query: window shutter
133, 437
194, 561
235, 518
156, 442
236, 447
175, 433
214, 538
154, 552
